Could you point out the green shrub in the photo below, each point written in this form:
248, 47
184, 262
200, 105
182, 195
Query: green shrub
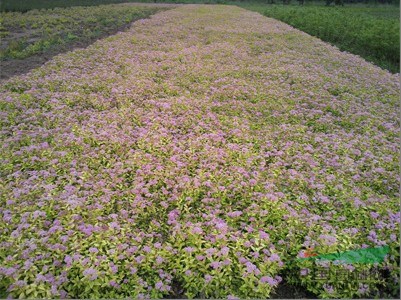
371, 32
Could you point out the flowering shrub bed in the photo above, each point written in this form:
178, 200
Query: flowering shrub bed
197, 154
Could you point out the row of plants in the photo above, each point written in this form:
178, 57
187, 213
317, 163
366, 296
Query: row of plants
26, 34
371, 32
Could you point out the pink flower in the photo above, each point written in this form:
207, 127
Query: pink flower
224, 251
90, 273
197, 230
93, 250
269, 280
263, 235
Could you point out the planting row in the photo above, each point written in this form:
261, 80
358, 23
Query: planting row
200, 154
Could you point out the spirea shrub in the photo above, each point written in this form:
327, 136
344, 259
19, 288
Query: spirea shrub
197, 154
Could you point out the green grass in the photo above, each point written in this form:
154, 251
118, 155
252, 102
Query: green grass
372, 32
37, 31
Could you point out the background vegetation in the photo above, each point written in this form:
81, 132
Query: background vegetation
370, 29
36, 31
25, 5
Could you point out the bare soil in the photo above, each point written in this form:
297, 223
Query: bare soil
287, 291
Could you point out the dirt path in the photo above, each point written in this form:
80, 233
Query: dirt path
202, 151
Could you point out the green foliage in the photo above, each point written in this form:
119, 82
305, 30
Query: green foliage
371, 32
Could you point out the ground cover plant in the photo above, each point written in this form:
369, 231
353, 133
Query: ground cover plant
372, 32
198, 154
26, 34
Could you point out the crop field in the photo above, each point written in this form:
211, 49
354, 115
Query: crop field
205, 152
41, 34
371, 32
